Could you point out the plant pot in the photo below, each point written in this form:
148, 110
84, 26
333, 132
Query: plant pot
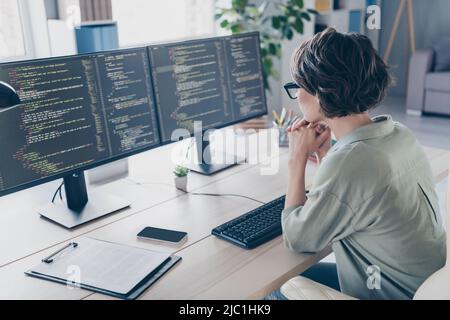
181, 183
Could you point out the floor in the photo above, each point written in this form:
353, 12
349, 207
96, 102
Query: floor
433, 131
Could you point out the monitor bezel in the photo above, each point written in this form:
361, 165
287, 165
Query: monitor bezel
99, 163
227, 124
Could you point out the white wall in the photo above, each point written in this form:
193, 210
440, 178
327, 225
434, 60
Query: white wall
278, 99
139, 23
62, 38
288, 49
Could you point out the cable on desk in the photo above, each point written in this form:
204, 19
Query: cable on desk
56, 192
224, 195
153, 183
203, 194
189, 148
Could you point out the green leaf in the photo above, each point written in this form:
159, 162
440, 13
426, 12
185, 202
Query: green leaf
224, 24
235, 28
276, 22
299, 27
291, 12
312, 11
272, 49
289, 34
219, 15
299, 3
305, 16
239, 4
267, 65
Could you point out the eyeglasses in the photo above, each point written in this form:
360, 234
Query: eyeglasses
292, 90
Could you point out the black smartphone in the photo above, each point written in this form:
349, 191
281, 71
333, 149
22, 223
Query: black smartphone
163, 235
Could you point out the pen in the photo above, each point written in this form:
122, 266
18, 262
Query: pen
293, 120
49, 259
276, 118
283, 116
289, 116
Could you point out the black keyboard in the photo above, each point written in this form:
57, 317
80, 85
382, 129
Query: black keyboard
255, 227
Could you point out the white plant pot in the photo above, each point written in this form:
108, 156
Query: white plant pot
181, 183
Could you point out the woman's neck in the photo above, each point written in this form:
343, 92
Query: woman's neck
344, 125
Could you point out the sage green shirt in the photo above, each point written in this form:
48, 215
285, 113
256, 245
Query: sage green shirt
373, 199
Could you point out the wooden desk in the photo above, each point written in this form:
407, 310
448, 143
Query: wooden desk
211, 268
150, 183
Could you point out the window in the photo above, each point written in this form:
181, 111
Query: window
142, 21
11, 30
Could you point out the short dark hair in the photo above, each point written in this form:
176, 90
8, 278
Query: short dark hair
343, 70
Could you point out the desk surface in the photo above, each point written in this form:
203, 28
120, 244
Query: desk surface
210, 269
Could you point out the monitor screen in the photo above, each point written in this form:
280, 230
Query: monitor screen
218, 81
77, 112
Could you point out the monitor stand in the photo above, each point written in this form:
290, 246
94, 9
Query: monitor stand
78, 209
204, 160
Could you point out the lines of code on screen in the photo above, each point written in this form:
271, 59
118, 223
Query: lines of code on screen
75, 111
217, 81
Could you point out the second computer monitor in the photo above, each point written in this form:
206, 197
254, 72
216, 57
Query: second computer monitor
218, 81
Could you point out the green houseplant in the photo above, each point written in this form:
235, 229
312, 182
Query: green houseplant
181, 174
243, 16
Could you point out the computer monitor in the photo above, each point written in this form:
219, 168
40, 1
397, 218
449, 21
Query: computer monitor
218, 81
76, 113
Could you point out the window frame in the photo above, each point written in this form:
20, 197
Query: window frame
25, 18
30, 26
26, 36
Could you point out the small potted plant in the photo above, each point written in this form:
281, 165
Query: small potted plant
181, 173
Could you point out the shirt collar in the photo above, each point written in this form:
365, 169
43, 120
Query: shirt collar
381, 126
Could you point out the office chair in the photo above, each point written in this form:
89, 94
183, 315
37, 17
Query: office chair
434, 288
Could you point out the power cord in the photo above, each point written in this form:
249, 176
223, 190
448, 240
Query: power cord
224, 195
154, 183
59, 190
188, 150
205, 194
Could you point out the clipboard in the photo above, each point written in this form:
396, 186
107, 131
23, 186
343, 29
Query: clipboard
125, 279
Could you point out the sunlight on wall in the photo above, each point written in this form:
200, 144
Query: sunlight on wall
142, 21
11, 33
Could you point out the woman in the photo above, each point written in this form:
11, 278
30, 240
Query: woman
373, 195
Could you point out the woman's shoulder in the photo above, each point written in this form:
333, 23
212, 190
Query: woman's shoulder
356, 163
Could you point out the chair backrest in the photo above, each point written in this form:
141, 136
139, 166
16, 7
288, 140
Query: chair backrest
437, 286
447, 221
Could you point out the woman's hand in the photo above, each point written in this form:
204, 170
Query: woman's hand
323, 149
305, 139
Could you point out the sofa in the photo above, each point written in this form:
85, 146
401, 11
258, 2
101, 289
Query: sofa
429, 80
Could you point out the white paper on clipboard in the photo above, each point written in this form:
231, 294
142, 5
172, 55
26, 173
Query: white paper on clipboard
101, 264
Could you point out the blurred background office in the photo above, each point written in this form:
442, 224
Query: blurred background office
413, 36
43, 28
